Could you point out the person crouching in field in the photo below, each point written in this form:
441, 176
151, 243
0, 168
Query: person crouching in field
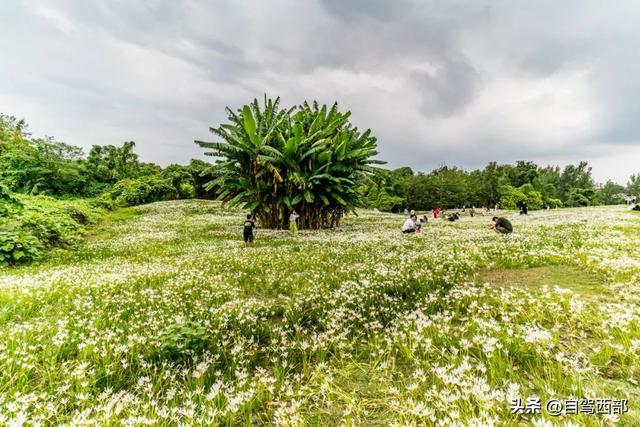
410, 225
501, 225
247, 233
453, 217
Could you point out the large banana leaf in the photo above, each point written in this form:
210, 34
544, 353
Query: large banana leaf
250, 124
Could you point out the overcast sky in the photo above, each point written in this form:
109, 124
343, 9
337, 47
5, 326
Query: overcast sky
456, 82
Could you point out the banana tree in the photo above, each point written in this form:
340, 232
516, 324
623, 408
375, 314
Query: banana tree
309, 159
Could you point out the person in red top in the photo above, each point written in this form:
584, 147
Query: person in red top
436, 212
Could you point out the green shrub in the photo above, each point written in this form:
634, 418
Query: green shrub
181, 340
105, 201
9, 204
553, 203
132, 192
512, 198
578, 197
186, 190
51, 228
38, 223
18, 246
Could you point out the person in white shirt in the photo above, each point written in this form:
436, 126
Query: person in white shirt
410, 225
293, 221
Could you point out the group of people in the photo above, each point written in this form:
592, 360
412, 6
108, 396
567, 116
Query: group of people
412, 224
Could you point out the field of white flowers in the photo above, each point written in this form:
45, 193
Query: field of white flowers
164, 318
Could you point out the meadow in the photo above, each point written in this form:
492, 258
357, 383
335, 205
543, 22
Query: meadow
162, 317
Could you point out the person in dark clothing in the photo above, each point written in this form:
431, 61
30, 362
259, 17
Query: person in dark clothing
249, 226
453, 217
636, 208
501, 225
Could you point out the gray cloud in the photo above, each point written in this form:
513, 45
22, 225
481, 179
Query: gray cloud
448, 88
460, 82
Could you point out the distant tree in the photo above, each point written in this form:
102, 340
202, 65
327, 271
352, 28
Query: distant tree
611, 193
492, 183
633, 185
109, 164
450, 187
525, 173
12, 131
580, 197
400, 179
534, 199
385, 191
42, 166
511, 197
576, 178
202, 173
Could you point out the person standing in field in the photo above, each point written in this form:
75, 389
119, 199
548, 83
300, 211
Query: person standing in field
247, 233
436, 212
293, 221
501, 225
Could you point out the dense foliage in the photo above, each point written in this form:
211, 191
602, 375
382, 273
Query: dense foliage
307, 159
31, 224
115, 174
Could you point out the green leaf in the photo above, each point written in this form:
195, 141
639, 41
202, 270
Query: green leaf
308, 196
249, 124
251, 206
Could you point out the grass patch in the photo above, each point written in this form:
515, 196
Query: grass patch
584, 283
355, 392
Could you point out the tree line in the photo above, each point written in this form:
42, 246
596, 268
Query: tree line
273, 160
506, 185
112, 174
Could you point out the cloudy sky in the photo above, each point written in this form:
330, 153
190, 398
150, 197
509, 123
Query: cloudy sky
456, 82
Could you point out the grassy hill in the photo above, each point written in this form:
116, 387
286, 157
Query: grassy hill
163, 317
